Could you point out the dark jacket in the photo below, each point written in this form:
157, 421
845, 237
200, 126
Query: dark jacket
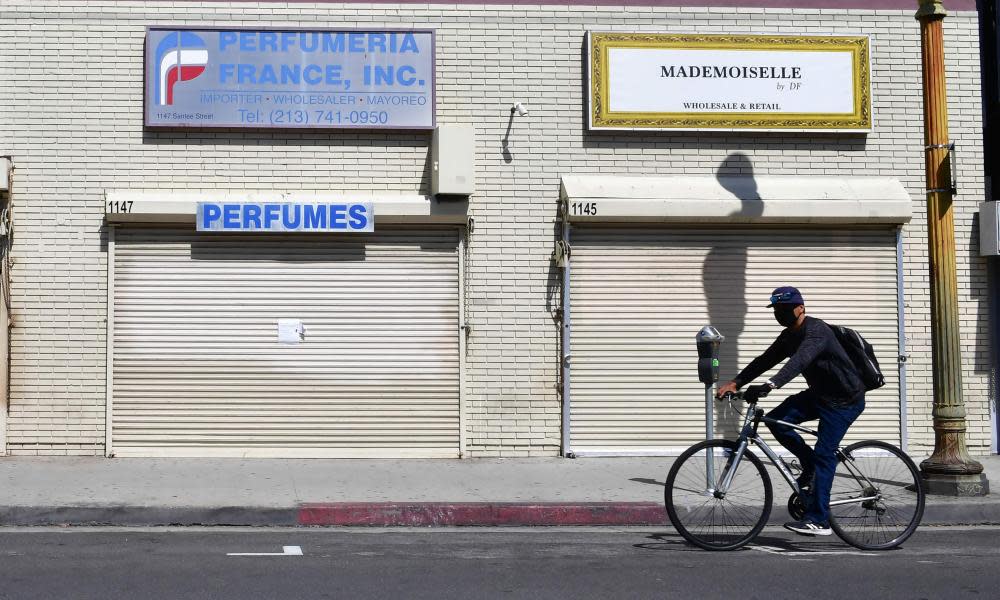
813, 351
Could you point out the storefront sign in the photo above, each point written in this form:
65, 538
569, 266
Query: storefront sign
291, 78
285, 217
703, 82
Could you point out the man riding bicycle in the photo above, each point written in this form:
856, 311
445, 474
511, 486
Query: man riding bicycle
835, 396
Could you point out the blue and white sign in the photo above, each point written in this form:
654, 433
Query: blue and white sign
289, 78
286, 217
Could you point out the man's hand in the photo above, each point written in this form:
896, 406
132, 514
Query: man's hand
726, 388
756, 391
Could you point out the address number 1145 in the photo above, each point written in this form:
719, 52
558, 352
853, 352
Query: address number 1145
583, 208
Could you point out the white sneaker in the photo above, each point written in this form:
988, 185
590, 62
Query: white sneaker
808, 528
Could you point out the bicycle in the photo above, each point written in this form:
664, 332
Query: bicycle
876, 503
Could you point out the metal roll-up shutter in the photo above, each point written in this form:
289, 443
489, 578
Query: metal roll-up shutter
639, 296
198, 369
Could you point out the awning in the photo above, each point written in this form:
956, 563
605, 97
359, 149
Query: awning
770, 199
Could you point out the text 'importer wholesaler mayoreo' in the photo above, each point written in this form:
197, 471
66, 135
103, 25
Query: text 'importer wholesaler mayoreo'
299, 99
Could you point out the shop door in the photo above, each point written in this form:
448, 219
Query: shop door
639, 296
198, 368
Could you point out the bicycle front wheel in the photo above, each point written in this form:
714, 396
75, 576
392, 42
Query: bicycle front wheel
877, 499
706, 516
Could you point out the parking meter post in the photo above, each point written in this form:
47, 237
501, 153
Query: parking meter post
708, 341
709, 412
710, 434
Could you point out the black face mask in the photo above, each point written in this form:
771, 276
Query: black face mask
784, 314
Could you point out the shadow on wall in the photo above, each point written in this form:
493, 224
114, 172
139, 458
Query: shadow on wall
724, 279
984, 274
993, 331
987, 351
505, 141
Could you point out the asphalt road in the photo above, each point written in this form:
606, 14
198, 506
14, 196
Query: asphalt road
110, 564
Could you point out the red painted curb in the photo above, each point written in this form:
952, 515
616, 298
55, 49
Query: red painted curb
444, 514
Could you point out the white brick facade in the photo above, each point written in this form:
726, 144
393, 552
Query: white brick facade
71, 114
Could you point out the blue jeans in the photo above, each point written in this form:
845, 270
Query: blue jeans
834, 422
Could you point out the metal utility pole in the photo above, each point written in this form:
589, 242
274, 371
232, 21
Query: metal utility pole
949, 470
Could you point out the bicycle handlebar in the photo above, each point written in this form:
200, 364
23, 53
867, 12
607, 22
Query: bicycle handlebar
736, 396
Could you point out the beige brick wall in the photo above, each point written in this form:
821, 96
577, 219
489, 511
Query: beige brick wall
71, 115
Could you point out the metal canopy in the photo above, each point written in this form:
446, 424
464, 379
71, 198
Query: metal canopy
770, 199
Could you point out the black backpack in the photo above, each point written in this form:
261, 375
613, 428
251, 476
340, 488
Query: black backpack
862, 355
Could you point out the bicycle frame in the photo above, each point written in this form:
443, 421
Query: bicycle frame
749, 435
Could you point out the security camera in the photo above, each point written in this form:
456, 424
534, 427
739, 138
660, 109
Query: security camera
521, 109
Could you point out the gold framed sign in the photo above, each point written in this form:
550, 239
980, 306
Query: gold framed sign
640, 81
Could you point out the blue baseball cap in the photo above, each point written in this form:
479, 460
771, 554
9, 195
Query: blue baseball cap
786, 295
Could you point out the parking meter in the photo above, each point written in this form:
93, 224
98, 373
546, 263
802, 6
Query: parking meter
708, 340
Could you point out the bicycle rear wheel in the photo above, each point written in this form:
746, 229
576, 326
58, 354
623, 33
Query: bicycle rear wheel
884, 474
703, 517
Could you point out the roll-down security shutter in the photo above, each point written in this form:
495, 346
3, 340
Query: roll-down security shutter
639, 296
198, 369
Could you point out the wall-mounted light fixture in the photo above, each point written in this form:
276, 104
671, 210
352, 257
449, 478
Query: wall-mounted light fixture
520, 109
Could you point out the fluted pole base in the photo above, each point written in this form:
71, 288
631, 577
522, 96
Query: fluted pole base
950, 471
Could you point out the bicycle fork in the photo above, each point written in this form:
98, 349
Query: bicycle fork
728, 472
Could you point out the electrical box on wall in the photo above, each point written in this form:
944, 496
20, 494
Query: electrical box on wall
989, 228
453, 157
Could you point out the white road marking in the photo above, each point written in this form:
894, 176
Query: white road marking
783, 552
286, 551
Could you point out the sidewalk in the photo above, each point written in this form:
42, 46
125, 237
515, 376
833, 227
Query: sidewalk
280, 492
